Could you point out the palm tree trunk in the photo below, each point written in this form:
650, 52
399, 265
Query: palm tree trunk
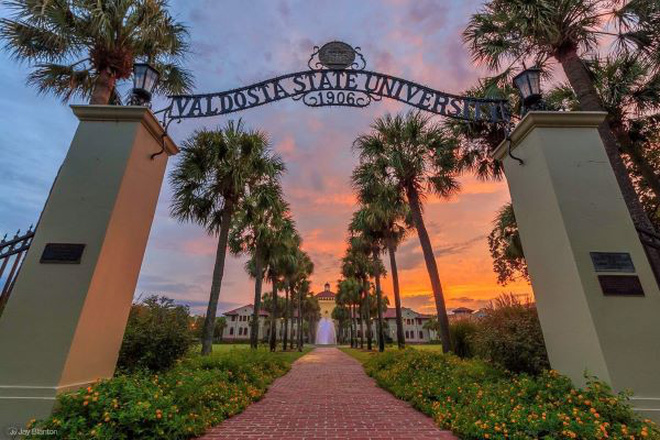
431, 266
216, 283
351, 307
286, 318
367, 302
361, 313
103, 86
254, 327
379, 307
401, 342
273, 320
582, 84
300, 322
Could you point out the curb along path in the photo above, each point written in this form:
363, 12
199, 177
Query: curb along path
327, 395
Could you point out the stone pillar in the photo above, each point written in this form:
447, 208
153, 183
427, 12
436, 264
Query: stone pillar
64, 322
598, 301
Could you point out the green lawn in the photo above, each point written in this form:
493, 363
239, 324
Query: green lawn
289, 355
364, 355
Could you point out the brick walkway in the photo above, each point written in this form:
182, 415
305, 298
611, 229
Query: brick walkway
327, 395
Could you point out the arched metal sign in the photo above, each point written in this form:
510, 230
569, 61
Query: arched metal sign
337, 77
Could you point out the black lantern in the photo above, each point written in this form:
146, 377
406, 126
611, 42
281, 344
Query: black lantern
528, 83
145, 78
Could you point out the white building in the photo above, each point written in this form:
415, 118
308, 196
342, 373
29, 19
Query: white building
239, 321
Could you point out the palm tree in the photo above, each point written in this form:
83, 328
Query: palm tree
418, 157
390, 215
369, 231
295, 270
348, 293
356, 264
84, 47
301, 298
217, 168
513, 31
285, 240
253, 232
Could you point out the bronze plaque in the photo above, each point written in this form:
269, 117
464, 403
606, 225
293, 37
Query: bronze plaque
612, 262
62, 253
620, 285
337, 55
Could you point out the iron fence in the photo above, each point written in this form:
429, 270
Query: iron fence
12, 255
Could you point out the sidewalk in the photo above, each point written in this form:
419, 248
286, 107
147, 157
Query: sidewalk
327, 395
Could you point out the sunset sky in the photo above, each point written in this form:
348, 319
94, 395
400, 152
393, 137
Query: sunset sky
237, 43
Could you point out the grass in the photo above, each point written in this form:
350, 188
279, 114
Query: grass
363, 355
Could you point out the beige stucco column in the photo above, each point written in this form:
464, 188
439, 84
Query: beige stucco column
597, 298
63, 325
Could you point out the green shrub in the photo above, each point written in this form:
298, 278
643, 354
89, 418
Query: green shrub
157, 334
477, 400
510, 335
197, 393
461, 332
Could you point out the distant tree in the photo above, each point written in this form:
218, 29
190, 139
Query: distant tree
349, 292
85, 47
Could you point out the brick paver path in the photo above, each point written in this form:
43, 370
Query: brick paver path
327, 395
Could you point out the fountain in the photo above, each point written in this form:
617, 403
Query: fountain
325, 332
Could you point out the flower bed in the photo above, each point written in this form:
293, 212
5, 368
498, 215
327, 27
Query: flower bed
197, 393
476, 400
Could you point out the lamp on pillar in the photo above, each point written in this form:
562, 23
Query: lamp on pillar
145, 79
528, 83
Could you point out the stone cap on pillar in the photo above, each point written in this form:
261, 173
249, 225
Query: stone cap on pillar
127, 113
535, 119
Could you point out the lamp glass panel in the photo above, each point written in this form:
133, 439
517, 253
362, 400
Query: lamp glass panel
522, 84
139, 75
534, 77
151, 78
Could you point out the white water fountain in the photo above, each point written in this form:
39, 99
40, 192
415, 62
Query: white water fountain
325, 332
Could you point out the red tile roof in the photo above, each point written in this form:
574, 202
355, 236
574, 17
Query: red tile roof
262, 312
326, 294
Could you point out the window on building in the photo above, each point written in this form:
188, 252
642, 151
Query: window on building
231, 331
421, 335
240, 331
407, 334
233, 317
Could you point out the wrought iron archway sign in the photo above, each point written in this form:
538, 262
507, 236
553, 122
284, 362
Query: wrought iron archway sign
337, 76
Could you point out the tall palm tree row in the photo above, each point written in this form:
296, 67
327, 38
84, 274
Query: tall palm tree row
349, 291
387, 215
503, 37
357, 265
256, 230
85, 48
369, 234
418, 157
217, 170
